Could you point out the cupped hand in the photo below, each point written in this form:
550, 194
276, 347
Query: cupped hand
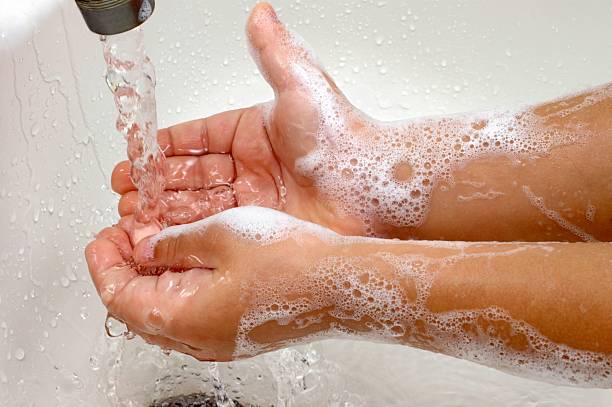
251, 156
197, 288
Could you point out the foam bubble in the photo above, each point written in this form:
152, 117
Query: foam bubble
262, 225
553, 215
591, 210
342, 290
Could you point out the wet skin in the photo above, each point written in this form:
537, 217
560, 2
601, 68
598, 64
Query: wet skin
238, 159
559, 291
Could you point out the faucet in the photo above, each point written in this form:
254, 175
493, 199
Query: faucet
108, 17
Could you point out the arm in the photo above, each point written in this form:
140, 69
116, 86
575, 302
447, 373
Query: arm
259, 280
560, 190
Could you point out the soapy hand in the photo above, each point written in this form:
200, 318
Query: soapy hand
313, 155
248, 156
200, 307
197, 288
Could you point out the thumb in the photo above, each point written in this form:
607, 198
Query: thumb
179, 247
276, 50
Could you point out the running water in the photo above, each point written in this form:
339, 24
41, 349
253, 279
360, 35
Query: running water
130, 76
221, 397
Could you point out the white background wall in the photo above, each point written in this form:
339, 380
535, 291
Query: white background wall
394, 58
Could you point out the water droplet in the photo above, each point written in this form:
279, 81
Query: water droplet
76, 381
94, 363
113, 327
19, 354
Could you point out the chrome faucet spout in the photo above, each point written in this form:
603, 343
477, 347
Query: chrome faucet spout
108, 17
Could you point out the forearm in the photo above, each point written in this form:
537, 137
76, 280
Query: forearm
257, 280
532, 309
540, 173
559, 189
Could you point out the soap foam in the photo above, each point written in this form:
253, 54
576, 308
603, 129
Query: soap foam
355, 158
258, 224
344, 289
553, 215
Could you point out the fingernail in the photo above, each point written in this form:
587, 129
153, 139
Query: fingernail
142, 231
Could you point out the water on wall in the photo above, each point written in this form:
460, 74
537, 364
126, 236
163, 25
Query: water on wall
393, 58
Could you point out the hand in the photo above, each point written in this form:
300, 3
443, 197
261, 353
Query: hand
251, 156
313, 155
213, 309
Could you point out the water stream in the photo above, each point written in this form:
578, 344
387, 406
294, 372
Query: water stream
130, 76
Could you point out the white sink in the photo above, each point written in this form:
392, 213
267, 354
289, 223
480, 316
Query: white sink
392, 58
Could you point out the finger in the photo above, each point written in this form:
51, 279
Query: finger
213, 134
195, 245
203, 172
137, 231
121, 182
276, 49
147, 303
180, 207
192, 173
161, 304
126, 223
107, 268
120, 238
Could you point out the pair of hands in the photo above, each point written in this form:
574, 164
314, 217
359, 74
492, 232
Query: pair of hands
234, 159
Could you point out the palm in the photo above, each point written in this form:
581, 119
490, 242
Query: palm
233, 159
246, 156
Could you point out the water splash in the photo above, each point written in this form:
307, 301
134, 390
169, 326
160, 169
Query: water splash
221, 397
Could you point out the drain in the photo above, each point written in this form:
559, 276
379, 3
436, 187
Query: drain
191, 400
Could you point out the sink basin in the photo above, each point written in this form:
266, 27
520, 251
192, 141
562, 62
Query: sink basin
394, 58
